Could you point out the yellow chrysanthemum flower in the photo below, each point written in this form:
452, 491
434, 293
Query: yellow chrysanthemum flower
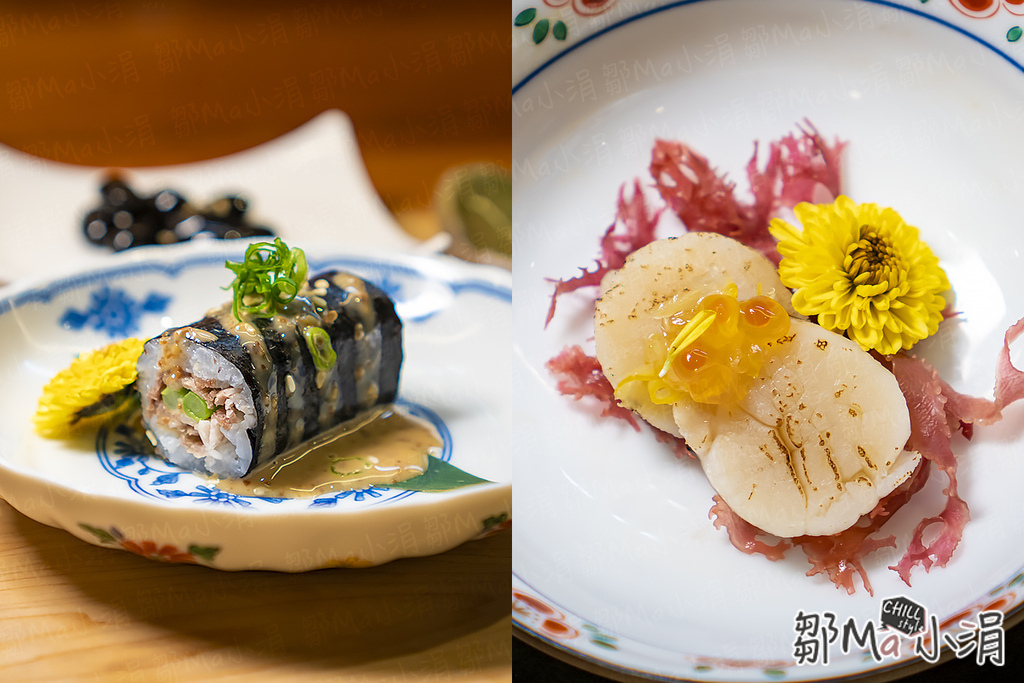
864, 272
96, 381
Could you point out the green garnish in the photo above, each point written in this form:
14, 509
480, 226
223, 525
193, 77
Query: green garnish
269, 276
172, 396
319, 343
192, 404
366, 465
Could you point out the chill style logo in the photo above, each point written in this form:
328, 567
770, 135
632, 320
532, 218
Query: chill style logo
900, 620
903, 615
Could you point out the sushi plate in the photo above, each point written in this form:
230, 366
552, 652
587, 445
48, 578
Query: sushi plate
102, 487
616, 565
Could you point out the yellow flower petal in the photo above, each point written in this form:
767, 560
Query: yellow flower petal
90, 377
863, 271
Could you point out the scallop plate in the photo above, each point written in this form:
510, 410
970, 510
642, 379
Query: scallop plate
104, 489
616, 565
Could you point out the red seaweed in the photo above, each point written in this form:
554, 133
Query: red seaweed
798, 169
636, 225
580, 375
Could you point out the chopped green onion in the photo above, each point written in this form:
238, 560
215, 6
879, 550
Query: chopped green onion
172, 396
269, 275
319, 343
299, 266
193, 405
366, 465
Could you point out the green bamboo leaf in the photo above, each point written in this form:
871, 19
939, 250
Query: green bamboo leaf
540, 31
525, 17
560, 31
440, 476
205, 552
494, 521
102, 535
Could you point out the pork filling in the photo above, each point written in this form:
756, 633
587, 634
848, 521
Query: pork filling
181, 370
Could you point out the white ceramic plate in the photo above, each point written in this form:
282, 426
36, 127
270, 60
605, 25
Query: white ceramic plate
615, 560
457, 321
308, 184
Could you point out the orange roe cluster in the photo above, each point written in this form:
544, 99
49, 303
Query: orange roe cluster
713, 352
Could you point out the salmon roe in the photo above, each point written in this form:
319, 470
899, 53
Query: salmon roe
719, 365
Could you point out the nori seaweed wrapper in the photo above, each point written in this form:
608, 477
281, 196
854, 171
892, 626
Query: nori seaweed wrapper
293, 399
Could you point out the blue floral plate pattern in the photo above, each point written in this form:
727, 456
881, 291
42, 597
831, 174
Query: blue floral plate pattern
124, 455
106, 489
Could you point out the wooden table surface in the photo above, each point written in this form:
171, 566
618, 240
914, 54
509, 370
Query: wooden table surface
135, 84
70, 611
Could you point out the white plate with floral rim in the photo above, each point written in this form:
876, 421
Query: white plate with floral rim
105, 490
615, 561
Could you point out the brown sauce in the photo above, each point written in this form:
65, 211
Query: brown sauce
382, 448
358, 298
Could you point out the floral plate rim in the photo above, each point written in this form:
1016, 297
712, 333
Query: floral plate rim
644, 10
588, 653
107, 514
175, 260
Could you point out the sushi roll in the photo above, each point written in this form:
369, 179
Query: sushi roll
234, 390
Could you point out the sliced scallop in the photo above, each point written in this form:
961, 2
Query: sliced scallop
659, 280
818, 439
